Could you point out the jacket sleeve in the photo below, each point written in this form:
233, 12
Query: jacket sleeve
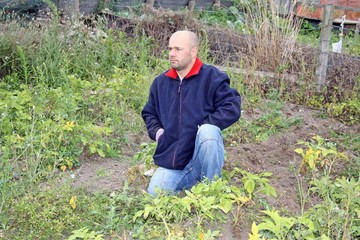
150, 114
227, 106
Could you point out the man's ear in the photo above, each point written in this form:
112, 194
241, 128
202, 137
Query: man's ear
194, 51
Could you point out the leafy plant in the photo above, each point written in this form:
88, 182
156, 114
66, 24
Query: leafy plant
271, 121
287, 227
146, 154
347, 111
337, 216
252, 182
205, 200
254, 235
319, 153
86, 234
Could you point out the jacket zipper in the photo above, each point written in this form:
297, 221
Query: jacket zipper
180, 103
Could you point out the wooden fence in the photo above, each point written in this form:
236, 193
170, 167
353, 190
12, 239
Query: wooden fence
325, 36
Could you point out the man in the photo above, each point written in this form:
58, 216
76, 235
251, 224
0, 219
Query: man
188, 106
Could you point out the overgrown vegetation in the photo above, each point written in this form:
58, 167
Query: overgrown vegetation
71, 89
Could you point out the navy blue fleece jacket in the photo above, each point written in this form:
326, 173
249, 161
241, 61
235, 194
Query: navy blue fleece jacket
180, 107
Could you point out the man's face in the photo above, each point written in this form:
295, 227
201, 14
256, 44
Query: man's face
180, 52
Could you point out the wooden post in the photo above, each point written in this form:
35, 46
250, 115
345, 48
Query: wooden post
357, 28
217, 4
70, 7
191, 5
325, 34
150, 3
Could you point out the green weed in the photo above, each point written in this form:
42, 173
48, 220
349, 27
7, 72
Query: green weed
85, 233
272, 121
205, 201
252, 182
337, 216
347, 111
282, 227
319, 154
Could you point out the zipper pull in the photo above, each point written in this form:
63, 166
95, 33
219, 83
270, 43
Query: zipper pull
179, 87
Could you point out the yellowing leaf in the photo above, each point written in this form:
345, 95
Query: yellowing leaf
69, 126
299, 151
100, 152
73, 202
309, 152
63, 168
254, 229
225, 205
21, 139
201, 235
311, 163
254, 235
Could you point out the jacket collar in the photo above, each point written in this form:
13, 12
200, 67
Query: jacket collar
194, 70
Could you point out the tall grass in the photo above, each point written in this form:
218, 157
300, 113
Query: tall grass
65, 90
274, 47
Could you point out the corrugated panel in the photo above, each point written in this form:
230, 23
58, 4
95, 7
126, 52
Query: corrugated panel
316, 13
175, 5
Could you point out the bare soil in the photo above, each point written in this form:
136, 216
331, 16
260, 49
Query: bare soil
274, 155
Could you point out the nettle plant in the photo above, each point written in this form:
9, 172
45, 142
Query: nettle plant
319, 154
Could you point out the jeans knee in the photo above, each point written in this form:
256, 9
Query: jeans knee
209, 132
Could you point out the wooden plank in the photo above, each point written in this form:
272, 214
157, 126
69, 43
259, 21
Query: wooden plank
267, 75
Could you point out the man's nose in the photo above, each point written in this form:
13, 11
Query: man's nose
171, 53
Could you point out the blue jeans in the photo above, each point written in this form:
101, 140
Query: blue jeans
207, 162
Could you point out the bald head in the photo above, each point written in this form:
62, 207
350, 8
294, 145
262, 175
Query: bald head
183, 49
187, 36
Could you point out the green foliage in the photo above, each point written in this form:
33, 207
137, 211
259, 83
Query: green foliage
254, 235
338, 215
347, 111
286, 227
271, 121
255, 183
145, 154
83, 233
309, 34
222, 17
350, 142
319, 154
206, 200
46, 213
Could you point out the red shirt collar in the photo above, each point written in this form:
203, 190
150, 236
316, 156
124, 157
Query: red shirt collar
194, 70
